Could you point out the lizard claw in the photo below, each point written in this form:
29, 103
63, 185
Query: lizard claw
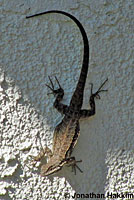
96, 94
74, 165
57, 91
52, 85
30, 162
34, 159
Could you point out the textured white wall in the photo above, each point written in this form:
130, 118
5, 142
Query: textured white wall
32, 49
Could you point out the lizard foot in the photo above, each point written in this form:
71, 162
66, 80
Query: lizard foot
44, 152
58, 91
72, 162
96, 94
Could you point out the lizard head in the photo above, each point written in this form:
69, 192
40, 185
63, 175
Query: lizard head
50, 168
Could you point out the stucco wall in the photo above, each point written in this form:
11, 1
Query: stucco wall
32, 49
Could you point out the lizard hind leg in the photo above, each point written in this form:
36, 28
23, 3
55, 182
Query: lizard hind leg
58, 91
72, 162
96, 94
87, 113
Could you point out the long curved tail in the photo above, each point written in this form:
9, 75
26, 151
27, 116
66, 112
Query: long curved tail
77, 98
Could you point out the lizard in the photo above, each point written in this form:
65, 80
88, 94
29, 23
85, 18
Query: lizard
67, 131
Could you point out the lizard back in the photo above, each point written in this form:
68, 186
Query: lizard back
63, 136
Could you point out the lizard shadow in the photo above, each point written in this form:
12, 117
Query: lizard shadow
85, 149
89, 149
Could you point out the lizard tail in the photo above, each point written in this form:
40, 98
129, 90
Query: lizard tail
77, 98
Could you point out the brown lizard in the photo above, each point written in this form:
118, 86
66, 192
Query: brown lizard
66, 133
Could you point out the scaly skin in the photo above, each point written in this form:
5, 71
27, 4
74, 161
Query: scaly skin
66, 133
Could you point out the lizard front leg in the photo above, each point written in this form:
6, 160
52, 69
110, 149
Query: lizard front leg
87, 113
72, 162
59, 93
45, 152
